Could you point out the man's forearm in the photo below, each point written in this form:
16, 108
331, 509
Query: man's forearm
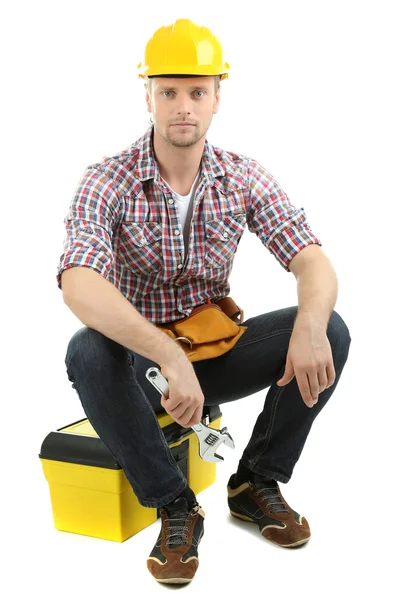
100, 306
317, 290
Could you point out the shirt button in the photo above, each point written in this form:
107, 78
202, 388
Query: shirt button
180, 266
226, 234
171, 201
176, 232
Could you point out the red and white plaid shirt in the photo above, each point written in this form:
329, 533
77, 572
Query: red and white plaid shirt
124, 223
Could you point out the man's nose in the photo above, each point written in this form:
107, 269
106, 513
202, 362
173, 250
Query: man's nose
184, 105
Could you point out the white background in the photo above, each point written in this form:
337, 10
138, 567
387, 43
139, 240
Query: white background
313, 96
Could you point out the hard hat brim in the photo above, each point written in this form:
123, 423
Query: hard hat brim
184, 70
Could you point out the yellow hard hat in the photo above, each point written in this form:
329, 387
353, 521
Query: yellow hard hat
183, 48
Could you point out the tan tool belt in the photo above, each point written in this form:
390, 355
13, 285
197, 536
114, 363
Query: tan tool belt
209, 331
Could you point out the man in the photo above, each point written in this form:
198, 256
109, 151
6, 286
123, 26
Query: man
151, 234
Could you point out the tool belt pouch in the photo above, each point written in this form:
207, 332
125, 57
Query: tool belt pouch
208, 331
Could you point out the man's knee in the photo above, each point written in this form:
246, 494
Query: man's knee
338, 333
92, 347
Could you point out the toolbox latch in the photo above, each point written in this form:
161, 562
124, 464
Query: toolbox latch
205, 419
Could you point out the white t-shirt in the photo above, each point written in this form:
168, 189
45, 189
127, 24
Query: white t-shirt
185, 204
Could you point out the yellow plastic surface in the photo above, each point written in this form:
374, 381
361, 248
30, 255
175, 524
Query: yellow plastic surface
100, 502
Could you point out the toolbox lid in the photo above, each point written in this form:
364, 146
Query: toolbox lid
79, 443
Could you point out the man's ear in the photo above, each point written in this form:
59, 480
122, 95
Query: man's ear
148, 100
216, 101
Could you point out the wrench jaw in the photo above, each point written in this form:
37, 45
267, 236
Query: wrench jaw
210, 439
212, 458
209, 454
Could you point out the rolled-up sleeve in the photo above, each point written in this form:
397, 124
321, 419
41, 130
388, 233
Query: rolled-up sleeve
89, 224
281, 227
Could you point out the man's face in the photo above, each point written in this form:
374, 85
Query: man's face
182, 108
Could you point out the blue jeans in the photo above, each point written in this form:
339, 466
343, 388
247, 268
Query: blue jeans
121, 403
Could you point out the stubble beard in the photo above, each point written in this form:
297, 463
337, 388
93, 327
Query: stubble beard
183, 140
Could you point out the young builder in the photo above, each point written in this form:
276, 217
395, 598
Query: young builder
151, 234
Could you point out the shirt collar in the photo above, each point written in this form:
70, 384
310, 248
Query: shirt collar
147, 167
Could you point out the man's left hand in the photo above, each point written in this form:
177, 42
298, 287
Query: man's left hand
310, 359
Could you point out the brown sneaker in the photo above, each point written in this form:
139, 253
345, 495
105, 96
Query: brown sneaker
263, 503
174, 558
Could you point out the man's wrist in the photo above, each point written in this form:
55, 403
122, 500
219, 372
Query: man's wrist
310, 318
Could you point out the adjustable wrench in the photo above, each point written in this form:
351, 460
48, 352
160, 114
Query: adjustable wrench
209, 438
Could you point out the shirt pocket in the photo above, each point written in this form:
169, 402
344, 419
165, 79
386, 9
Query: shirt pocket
222, 238
141, 246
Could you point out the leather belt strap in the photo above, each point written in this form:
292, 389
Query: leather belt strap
231, 309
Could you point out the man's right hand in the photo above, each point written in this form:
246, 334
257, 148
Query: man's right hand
186, 399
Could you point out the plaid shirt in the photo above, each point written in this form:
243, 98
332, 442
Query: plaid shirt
124, 223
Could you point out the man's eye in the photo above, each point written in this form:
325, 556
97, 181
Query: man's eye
199, 92
167, 92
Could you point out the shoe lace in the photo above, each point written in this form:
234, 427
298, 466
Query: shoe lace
177, 535
269, 494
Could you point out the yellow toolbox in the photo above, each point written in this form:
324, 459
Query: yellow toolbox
89, 491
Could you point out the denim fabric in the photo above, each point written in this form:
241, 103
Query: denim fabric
121, 403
